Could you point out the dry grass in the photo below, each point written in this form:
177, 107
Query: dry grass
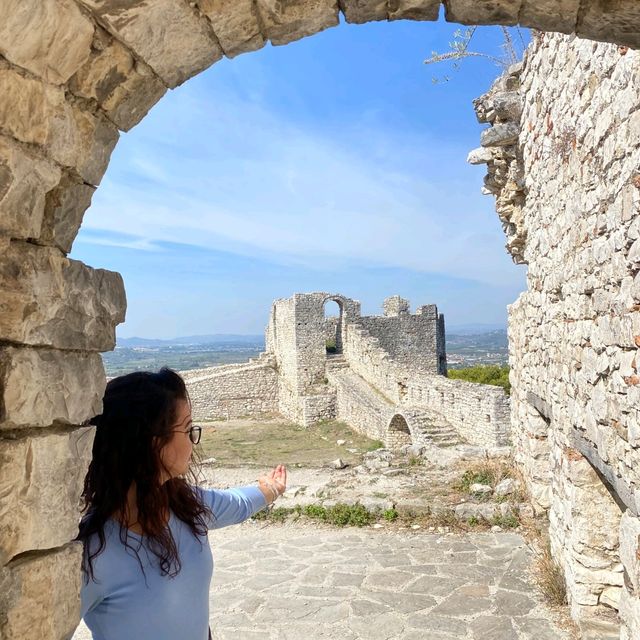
548, 574
269, 442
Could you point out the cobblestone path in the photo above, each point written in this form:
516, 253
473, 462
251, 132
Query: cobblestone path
299, 582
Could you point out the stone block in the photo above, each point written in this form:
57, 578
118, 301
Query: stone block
39, 387
287, 20
169, 36
64, 209
49, 300
50, 38
477, 12
413, 9
41, 481
550, 15
35, 113
361, 11
500, 135
235, 23
123, 87
40, 595
630, 547
25, 180
629, 615
611, 21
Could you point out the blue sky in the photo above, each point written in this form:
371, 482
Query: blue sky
333, 163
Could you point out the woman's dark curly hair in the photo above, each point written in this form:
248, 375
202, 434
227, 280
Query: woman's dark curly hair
137, 419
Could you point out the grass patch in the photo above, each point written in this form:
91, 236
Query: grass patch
488, 471
509, 521
270, 442
390, 515
374, 445
549, 574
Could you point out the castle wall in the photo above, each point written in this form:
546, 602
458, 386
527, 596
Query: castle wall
480, 413
409, 339
233, 391
568, 194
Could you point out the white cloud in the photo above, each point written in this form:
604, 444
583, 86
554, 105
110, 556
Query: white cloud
230, 175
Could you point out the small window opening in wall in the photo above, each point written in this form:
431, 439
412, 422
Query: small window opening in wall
332, 327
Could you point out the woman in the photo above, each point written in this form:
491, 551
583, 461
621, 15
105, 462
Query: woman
147, 565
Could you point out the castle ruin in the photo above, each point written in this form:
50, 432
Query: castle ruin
563, 152
385, 377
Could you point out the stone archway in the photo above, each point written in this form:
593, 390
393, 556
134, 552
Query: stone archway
398, 433
334, 326
72, 74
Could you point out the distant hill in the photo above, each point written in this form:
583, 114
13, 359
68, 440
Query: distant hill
215, 338
474, 329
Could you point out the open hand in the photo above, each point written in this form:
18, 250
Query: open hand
274, 483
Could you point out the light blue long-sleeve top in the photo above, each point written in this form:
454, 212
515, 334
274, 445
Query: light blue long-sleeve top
121, 605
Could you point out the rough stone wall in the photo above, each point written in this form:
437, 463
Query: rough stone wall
233, 391
568, 190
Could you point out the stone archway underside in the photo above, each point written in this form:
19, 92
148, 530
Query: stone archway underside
72, 74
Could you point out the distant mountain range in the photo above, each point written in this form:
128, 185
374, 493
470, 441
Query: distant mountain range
474, 329
253, 339
215, 338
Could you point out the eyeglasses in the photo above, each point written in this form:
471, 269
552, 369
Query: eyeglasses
194, 433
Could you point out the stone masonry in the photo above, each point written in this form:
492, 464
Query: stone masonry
386, 379
563, 156
73, 73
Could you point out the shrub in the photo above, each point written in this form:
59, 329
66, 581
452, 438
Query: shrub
390, 515
493, 374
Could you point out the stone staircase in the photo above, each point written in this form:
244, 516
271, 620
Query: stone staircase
431, 429
336, 361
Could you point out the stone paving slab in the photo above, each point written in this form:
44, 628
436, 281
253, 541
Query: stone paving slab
303, 582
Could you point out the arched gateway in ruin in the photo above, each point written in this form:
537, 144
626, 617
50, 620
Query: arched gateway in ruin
563, 158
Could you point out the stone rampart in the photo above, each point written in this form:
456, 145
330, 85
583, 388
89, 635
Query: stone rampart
480, 413
233, 391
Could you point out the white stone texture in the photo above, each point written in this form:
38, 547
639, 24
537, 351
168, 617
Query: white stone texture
49, 300
37, 113
49, 38
40, 387
124, 87
41, 481
168, 35
574, 332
